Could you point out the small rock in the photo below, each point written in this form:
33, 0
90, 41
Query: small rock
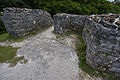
107, 18
104, 69
111, 61
118, 22
112, 20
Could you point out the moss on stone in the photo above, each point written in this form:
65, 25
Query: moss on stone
15, 60
81, 52
100, 52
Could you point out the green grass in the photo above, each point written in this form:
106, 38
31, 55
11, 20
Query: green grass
5, 37
81, 52
14, 61
8, 55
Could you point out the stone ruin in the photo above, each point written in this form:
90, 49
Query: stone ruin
65, 22
101, 34
22, 21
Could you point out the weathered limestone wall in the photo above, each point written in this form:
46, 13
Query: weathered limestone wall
21, 21
101, 35
67, 22
103, 45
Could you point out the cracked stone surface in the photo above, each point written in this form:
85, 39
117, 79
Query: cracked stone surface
48, 59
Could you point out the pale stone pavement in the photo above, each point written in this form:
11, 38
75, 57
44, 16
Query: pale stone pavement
48, 58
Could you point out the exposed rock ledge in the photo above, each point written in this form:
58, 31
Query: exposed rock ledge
101, 35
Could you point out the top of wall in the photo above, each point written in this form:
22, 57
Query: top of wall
18, 10
111, 21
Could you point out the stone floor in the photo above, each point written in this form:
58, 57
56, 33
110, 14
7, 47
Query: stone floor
48, 58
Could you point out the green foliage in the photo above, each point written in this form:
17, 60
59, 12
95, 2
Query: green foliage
84, 7
60, 6
5, 37
13, 3
2, 27
66, 6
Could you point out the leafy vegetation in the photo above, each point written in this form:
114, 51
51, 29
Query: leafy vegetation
13, 3
84, 7
8, 55
67, 6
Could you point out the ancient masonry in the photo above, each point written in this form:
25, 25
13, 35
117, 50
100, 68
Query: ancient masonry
101, 35
22, 21
65, 22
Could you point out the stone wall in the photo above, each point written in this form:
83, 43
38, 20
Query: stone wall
101, 35
103, 44
22, 21
67, 22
